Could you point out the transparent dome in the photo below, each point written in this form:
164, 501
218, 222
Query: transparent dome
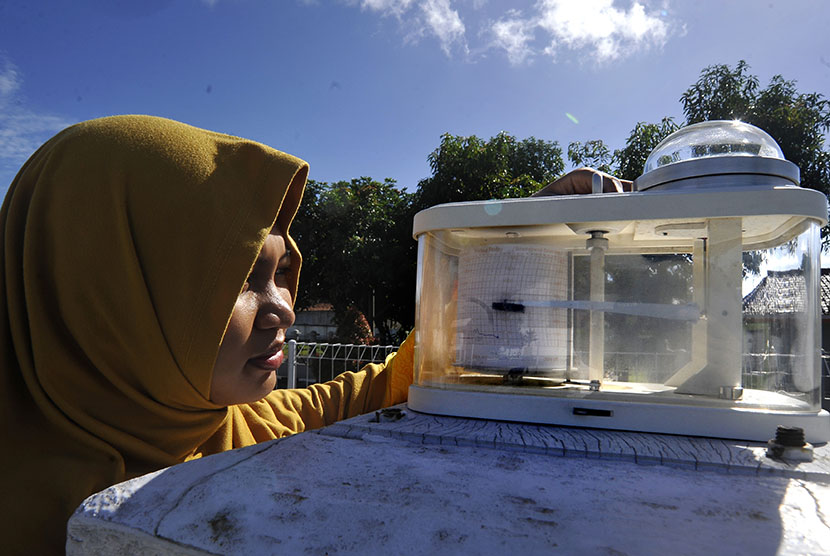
716, 138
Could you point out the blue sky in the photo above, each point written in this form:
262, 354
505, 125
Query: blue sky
366, 87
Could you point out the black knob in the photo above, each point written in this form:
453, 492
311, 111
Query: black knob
789, 436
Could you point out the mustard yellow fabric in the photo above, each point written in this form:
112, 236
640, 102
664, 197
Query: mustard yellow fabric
286, 412
125, 242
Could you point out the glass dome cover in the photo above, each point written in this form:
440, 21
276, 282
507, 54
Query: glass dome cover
716, 138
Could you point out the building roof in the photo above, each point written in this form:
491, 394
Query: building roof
781, 292
320, 307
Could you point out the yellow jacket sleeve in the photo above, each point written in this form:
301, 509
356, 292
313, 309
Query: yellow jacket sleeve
286, 412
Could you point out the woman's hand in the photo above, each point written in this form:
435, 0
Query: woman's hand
580, 182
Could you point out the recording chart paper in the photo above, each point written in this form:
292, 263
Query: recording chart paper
494, 330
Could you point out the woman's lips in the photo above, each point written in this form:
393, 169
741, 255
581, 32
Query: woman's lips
268, 362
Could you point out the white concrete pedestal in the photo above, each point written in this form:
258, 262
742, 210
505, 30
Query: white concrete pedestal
444, 485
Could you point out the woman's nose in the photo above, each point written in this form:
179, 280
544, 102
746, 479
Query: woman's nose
276, 310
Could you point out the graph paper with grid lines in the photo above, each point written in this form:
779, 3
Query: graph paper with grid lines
493, 330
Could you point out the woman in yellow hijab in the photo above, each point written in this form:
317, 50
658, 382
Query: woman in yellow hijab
148, 279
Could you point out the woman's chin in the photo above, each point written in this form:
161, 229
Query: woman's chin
248, 390
265, 387
270, 383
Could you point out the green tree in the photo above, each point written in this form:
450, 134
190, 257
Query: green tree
358, 253
631, 159
721, 93
312, 239
797, 121
354, 328
470, 168
594, 154
626, 163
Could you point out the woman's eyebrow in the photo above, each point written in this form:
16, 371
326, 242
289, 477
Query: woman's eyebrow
287, 254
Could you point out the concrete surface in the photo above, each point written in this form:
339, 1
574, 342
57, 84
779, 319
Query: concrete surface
443, 485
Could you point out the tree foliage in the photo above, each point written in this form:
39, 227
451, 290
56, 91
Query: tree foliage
644, 137
797, 121
626, 163
594, 154
721, 93
470, 168
358, 252
354, 328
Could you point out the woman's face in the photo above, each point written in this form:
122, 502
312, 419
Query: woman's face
251, 351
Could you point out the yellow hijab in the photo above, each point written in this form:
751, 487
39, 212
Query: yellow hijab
125, 242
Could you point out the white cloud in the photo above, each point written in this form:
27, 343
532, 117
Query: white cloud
422, 17
9, 82
598, 27
22, 130
514, 35
600, 30
444, 22
21, 134
387, 7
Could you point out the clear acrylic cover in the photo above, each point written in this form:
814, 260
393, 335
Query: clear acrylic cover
703, 322
717, 138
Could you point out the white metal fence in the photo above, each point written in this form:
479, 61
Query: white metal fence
308, 363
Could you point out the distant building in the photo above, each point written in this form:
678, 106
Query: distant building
314, 324
777, 298
769, 310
